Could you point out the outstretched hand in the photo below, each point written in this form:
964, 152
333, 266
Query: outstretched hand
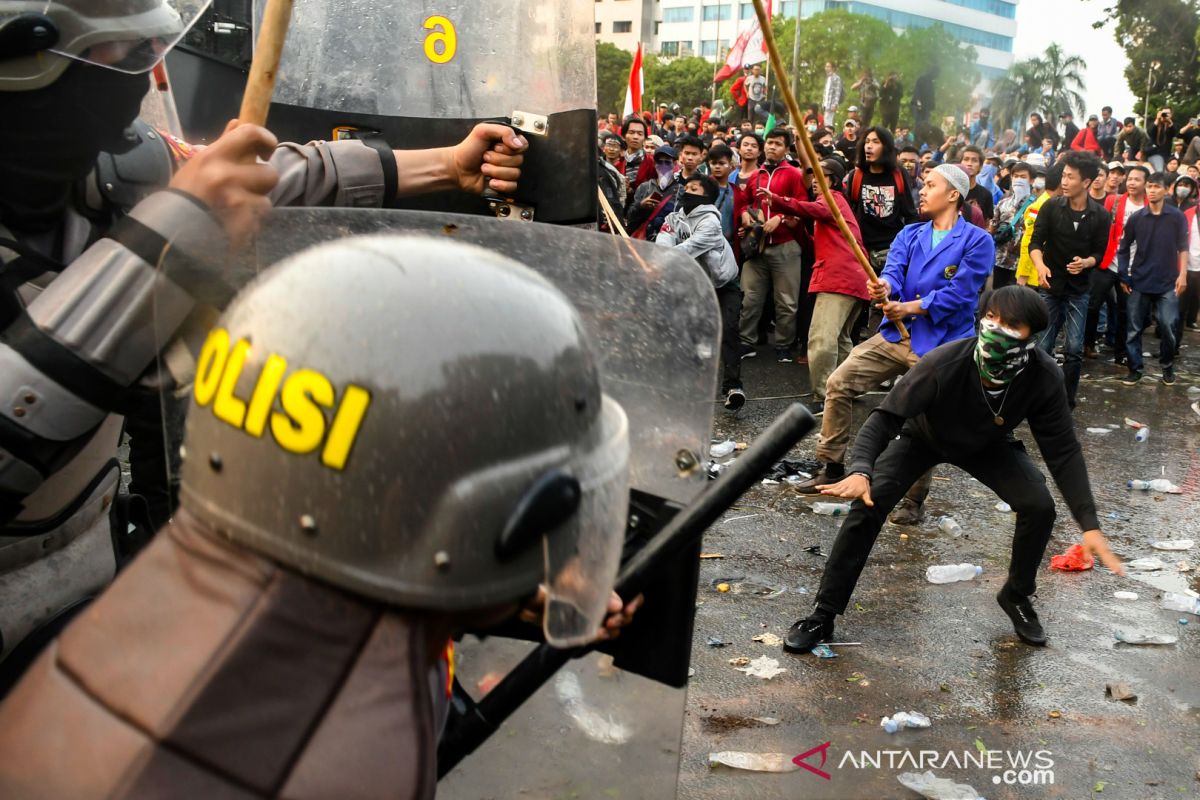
852, 487
1095, 544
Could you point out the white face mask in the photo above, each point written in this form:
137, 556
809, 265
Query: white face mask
1183, 192
1039, 185
1020, 187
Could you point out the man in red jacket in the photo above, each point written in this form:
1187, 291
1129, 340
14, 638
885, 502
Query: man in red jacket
1104, 278
738, 90
778, 266
1086, 138
838, 281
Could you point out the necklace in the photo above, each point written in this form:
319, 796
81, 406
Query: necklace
996, 418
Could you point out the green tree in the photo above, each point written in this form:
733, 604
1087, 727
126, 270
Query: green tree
686, 81
612, 77
918, 49
1018, 94
1062, 82
1166, 32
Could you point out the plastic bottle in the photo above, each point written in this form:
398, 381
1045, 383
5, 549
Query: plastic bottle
950, 525
1142, 435
1141, 637
831, 509
949, 573
904, 719
1158, 485
1004, 507
1174, 601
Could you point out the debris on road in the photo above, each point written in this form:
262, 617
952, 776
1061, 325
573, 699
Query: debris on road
823, 651
755, 762
815, 549
1074, 560
1125, 595
1148, 564
722, 449
1142, 435
741, 585
763, 667
949, 525
1173, 601
931, 787
831, 509
713, 641
712, 555
769, 639
1173, 544
597, 725
1099, 430
740, 661
951, 573
1158, 485
766, 720
722, 587
1120, 691
904, 719
1003, 507
1144, 637
1133, 423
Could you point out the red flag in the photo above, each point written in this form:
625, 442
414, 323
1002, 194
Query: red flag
633, 97
733, 61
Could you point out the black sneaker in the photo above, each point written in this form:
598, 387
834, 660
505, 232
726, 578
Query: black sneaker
1024, 618
809, 632
830, 473
749, 351
1132, 378
907, 513
783, 355
1168, 375
734, 399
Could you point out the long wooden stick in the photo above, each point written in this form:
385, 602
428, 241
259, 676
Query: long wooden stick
810, 152
265, 66
613, 220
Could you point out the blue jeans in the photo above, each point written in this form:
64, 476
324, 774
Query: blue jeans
1067, 311
1166, 308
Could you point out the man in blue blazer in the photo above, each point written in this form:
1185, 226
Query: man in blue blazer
931, 282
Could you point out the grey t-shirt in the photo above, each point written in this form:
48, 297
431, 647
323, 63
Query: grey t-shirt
756, 88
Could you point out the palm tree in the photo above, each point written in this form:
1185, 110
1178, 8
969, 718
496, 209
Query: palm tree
1062, 82
1018, 94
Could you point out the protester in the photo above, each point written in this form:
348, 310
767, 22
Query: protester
1132, 142
834, 94
1008, 226
1069, 129
868, 95
695, 229
889, 101
653, 196
1189, 302
750, 147
1183, 192
1116, 180
981, 131
756, 90
777, 268
1154, 275
1162, 136
1107, 130
1098, 191
961, 405
931, 283
1086, 139
909, 159
1039, 131
1105, 280
738, 91
971, 161
633, 130
838, 281
1069, 238
848, 143
720, 167
879, 193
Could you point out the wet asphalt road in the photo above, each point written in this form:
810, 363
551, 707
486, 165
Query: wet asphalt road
946, 651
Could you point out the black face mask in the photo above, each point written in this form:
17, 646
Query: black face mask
51, 137
691, 202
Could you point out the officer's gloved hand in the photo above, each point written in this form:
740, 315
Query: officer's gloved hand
227, 177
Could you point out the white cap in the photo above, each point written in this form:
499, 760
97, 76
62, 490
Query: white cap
956, 177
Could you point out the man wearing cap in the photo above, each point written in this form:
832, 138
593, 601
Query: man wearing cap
1116, 181
931, 284
650, 195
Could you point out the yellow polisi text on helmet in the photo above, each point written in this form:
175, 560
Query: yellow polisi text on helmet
298, 422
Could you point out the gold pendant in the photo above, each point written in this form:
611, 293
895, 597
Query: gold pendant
999, 420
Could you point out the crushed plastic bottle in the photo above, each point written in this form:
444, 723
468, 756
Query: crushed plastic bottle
722, 449
904, 719
831, 509
1157, 485
931, 787
1142, 637
1125, 595
1173, 601
950, 573
1143, 434
950, 525
1003, 507
755, 762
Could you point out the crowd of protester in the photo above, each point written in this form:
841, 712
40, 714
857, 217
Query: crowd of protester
1100, 220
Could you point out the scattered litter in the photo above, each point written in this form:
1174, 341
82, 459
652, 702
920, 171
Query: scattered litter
1125, 595
712, 555
1147, 564
904, 536
722, 587
1196, 406
755, 762
844, 644
950, 573
713, 641
1173, 544
723, 449
766, 720
931, 787
815, 549
1185, 566
691, 672
856, 677
1183, 621
769, 639
806, 467
950, 526
735, 519
769, 482
488, 682
1054, 714
831, 509
740, 446
904, 719
1172, 601
1004, 507
1133, 423
740, 661
763, 667
1142, 435
1158, 485
1120, 691
740, 585
795, 479
1074, 560
599, 726
1194, 390
823, 651
1144, 637
1099, 430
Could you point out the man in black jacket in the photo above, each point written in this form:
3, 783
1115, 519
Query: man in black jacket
960, 405
1069, 239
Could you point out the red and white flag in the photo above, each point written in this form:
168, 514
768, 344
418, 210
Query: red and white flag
749, 48
633, 97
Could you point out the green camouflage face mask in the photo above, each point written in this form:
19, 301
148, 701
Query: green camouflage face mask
1001, 353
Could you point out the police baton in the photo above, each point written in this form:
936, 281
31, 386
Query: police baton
478, 721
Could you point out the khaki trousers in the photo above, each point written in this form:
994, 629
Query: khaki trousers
829, 342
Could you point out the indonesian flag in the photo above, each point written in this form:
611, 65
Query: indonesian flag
750, 48
633, 97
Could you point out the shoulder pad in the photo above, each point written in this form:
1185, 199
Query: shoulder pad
124, 180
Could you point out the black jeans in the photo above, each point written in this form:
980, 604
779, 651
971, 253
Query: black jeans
1104, 283
729, 298
1006, 469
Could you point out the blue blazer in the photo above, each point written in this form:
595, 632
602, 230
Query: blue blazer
946, 280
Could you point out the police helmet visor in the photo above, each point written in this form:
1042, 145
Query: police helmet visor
129, 36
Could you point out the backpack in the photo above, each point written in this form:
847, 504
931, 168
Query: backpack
856, 184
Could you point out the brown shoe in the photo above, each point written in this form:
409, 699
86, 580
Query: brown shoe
830, 473
907, 513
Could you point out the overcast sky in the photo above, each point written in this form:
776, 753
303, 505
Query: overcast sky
1069, 22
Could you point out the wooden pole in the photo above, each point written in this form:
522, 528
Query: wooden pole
265, 66
810, 153
613, 220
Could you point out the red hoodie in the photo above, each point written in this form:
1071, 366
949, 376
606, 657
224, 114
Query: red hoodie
1115, 204
836, 270
1086, 140
785, 181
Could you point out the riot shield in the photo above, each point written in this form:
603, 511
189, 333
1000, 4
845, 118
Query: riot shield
418, 75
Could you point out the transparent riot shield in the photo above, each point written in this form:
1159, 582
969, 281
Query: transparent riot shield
595, 728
